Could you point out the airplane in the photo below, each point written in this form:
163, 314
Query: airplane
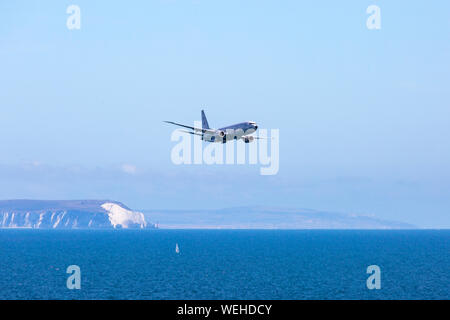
222, 135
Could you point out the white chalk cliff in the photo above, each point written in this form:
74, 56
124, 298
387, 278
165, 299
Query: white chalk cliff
119, 216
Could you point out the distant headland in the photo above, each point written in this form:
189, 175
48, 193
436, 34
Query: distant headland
263, 217
70, 214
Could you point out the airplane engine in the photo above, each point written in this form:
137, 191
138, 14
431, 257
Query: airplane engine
221, 134
248, 139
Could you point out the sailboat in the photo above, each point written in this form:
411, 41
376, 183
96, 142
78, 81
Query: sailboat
177, 249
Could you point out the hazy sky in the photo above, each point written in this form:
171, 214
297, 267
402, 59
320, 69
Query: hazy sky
364, 115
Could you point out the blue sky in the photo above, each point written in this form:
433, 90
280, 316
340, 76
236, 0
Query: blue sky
364, 115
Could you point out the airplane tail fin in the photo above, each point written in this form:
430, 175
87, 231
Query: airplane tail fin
205, 124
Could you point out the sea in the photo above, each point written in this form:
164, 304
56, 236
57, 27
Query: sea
224, 264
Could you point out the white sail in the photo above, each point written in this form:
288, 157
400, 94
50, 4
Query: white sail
177, 249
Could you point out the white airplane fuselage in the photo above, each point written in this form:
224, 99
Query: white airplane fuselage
233, 132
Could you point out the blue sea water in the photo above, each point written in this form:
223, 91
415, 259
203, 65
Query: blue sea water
224, 264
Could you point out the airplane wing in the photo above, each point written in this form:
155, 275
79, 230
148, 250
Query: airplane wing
192, 128
197, 134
